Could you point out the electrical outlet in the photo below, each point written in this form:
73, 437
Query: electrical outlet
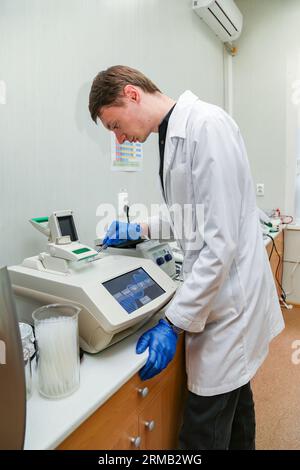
122, 203
260, 189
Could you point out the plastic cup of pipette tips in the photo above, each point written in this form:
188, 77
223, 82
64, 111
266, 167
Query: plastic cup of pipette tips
56, 331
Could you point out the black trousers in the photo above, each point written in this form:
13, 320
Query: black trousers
225, 421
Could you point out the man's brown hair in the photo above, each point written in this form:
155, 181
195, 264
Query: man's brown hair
108, 86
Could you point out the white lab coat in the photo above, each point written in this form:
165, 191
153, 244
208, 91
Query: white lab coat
228, 303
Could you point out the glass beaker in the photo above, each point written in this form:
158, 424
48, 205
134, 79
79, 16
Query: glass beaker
56, 332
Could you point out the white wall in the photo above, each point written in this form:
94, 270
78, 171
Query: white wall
52, 156
265, 71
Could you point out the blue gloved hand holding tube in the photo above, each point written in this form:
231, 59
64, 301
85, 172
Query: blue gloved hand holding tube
119, 232
161, 341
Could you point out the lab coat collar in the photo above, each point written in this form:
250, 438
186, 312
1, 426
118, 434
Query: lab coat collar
180, 114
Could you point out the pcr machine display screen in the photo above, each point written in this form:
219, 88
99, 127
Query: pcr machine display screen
67, 226
134, 289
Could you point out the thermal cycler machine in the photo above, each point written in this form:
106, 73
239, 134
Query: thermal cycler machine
116, 294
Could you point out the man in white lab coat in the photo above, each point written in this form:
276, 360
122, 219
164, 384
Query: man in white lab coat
227, 305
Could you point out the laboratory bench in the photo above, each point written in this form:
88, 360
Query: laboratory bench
113, 408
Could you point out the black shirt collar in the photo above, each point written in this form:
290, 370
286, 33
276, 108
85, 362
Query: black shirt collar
162, 132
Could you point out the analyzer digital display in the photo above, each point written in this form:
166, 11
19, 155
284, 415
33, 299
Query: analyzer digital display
133, 289
67, 227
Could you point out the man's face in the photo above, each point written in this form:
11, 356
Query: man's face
128, 122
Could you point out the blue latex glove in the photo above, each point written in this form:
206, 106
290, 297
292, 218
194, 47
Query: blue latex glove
161, 341
119, 232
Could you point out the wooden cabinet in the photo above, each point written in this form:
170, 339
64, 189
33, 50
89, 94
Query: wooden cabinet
141, 415
275, 261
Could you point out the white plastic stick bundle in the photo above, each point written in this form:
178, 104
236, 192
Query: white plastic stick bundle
58, 366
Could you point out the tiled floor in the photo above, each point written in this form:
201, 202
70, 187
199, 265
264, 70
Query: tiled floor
276, 389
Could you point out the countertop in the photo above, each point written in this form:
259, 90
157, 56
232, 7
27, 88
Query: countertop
294, 225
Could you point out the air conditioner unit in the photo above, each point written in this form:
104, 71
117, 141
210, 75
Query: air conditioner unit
223, 17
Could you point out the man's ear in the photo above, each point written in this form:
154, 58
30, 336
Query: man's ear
132, 93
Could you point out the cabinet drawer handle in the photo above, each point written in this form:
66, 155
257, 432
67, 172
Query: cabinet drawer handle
150, 425
136, 441
143, 391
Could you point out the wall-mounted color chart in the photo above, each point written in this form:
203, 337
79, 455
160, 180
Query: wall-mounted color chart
127, 156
